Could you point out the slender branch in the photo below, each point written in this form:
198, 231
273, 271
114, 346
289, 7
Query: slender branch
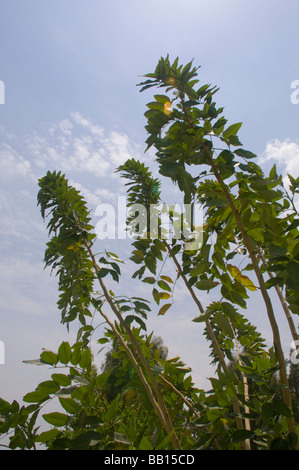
267, 300
166, 420
185, 400
200, 307
283, 303
210, 331
275, 330
189, 405
136, 366
245, 384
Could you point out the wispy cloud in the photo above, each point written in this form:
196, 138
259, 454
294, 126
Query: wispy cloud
86, 152
285, 153
77, 144
12, 164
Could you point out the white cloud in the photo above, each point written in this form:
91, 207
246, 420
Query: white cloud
84, 151
12, 164
79, 145
285, 153
94, 197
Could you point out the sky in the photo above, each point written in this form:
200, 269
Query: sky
69, 71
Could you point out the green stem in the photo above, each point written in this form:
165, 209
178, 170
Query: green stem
161, 409
283, 303
211, 334
261, 282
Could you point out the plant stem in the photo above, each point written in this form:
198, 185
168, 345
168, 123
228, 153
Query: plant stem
136, 366
161, 409
283, 303
246, 387
261, 282
211, 334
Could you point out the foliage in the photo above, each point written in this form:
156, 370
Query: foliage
118, 380
249, 243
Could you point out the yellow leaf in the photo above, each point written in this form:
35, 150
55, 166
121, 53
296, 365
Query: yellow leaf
163, 295
73, 248
167, 278
167, 107
233, 270
164, 309
246, 282
129, 395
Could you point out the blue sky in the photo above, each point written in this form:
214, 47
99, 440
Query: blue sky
70, 71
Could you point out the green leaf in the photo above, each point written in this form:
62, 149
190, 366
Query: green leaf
56, 419
130, 318
164, 442
279, 444
267, 411
69, 404
282, 409
199, 268
156, 296
273, 173
47, 436
206, 284
145, 444
163, 285
140, 304
64, 352
86, 440
111, 410
224, 324
86, 359
61, 379
149, 280
229, 310
203, 316
102, 273
242, 435
36, 396
49, 386
18, 440
244, 153
231, 130
256, 234
273, 282
76, 355
49, 357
